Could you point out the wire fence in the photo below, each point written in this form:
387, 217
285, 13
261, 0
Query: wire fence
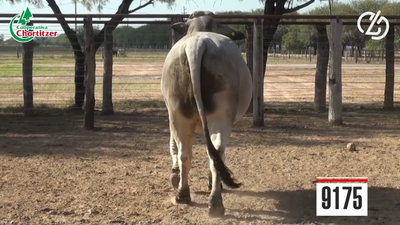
140, 50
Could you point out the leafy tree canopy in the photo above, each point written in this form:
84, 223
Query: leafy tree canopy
89, 4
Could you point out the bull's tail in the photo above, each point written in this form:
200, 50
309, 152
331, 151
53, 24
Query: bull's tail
194, 52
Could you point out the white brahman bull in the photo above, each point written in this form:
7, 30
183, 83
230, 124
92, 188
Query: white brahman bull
207, 88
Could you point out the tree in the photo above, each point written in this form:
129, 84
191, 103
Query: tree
276, 7
390, 8
1, 38
278, 37
281, 31
43, 41
295, 39
155, 36
62, 39
124, 8
270, 27
299, 37
351, 35
241, 28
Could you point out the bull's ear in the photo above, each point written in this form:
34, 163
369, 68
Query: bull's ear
180, 27
229, 32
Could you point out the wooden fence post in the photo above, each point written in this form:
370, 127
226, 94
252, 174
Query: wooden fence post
90, 78
321, 69
258, 78
335, 74
355, 55
27, 80
173, 20
17, 51
249, 57
389, 81
108, 107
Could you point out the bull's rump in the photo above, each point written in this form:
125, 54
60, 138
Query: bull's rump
222, 68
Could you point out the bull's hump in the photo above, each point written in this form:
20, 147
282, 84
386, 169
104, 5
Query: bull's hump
205, 35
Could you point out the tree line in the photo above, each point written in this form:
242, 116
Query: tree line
293, 38
146, 36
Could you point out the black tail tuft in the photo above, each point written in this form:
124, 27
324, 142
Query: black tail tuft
223, 171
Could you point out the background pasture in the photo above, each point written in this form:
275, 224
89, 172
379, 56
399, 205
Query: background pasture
136, 78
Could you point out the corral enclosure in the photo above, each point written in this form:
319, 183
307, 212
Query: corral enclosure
54, 171
136, 78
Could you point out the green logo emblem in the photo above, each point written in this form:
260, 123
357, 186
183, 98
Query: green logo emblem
24, 18
23, 32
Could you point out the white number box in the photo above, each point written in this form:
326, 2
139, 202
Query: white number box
342, 196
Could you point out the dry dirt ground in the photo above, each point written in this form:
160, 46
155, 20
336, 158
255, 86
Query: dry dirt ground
54, 172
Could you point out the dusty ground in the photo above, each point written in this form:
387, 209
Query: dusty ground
53, 172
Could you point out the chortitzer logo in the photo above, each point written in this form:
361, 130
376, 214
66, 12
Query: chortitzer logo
25, 33
376, 19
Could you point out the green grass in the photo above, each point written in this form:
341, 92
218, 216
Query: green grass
15, 69
45, 62
49, 64
53, 82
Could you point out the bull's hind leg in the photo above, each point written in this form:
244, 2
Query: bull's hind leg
209, 183
175, 173
220, 134
182, 131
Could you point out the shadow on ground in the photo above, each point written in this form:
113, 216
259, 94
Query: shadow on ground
299, 206
61, 129
56, 131
289, 147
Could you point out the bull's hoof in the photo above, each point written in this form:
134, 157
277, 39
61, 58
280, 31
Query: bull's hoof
216, 211
183, 200
175, 178
183, 196
216, 206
